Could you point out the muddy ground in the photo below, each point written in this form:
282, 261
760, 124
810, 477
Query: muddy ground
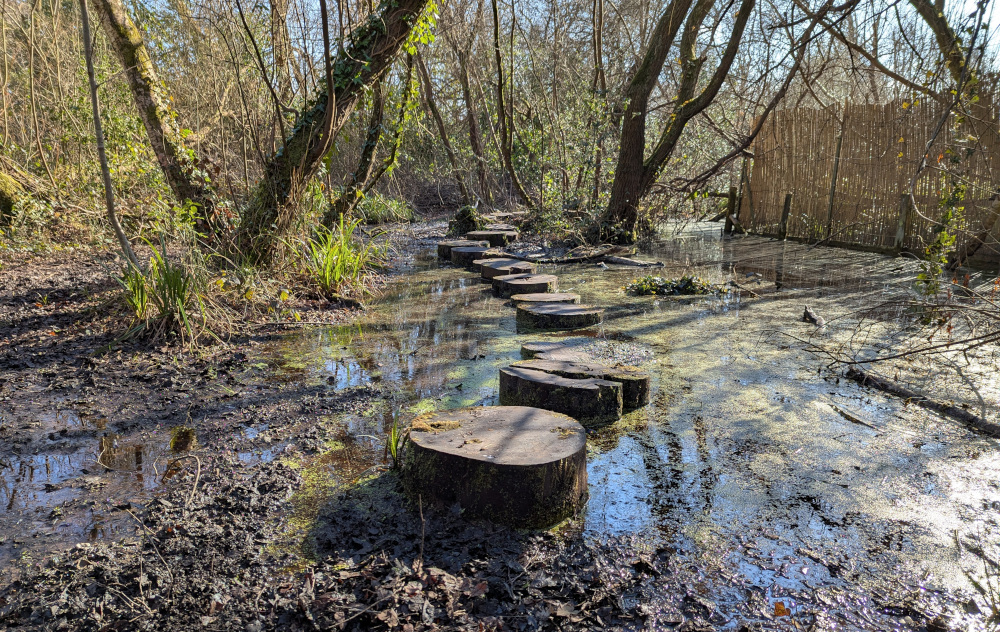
288, 515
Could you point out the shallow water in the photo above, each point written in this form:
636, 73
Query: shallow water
751, 452
752, 458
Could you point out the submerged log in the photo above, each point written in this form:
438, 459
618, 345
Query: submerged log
591, 401
557, 316
635, 382
507, 285
444, 247
970, 420
465, 255
496, 238
543, 297
514, 465
503, 267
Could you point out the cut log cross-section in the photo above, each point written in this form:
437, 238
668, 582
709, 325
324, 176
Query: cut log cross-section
591, 401
465, 255
509, 284
444, 247
515, 465
634, 381
557, 316
495, 237
543, 297
502, 267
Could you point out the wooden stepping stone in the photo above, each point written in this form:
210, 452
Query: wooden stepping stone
542, 297
506, 266
477, 265
515, 465
507, 285
634, 381
495, 237
465, 255
591, 401
557, 316
510, 228
444, 247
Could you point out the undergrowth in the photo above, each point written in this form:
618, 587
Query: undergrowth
334, 260
378, 209
660, 286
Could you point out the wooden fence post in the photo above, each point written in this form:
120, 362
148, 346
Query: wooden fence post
904, 213
730, 210
833, 181
783, 227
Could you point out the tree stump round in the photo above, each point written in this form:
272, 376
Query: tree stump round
444, 247
495, 237
591, 401
507, 285
635, 382
510, 228
542, 297
514, 465
504, 267
465, 255
557, 316
477, 265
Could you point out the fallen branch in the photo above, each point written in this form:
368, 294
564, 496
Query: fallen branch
958, 414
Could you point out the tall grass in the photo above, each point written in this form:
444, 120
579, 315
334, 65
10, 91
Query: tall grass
161, 298
333, 259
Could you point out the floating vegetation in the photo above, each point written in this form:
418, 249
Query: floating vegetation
657, 285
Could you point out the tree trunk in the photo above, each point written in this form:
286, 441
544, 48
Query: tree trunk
635, 175
352, 192
184, 173
456, 168
475, 135
109, 192
506, 133
368, 55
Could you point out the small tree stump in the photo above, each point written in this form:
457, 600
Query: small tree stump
557, 316
634, 381
444, 247
542, 297
465, 255
506, 266
509, 284
477, 265
591, 401
495, 237
514, 465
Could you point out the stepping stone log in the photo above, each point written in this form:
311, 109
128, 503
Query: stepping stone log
634, 381
515, 465
495, 237
591, 401
507, 285
503, 267
510, 228
557, 316
465, 255
444, 247
551, 297
477, 265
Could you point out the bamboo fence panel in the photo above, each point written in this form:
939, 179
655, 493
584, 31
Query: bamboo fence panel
880, 149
